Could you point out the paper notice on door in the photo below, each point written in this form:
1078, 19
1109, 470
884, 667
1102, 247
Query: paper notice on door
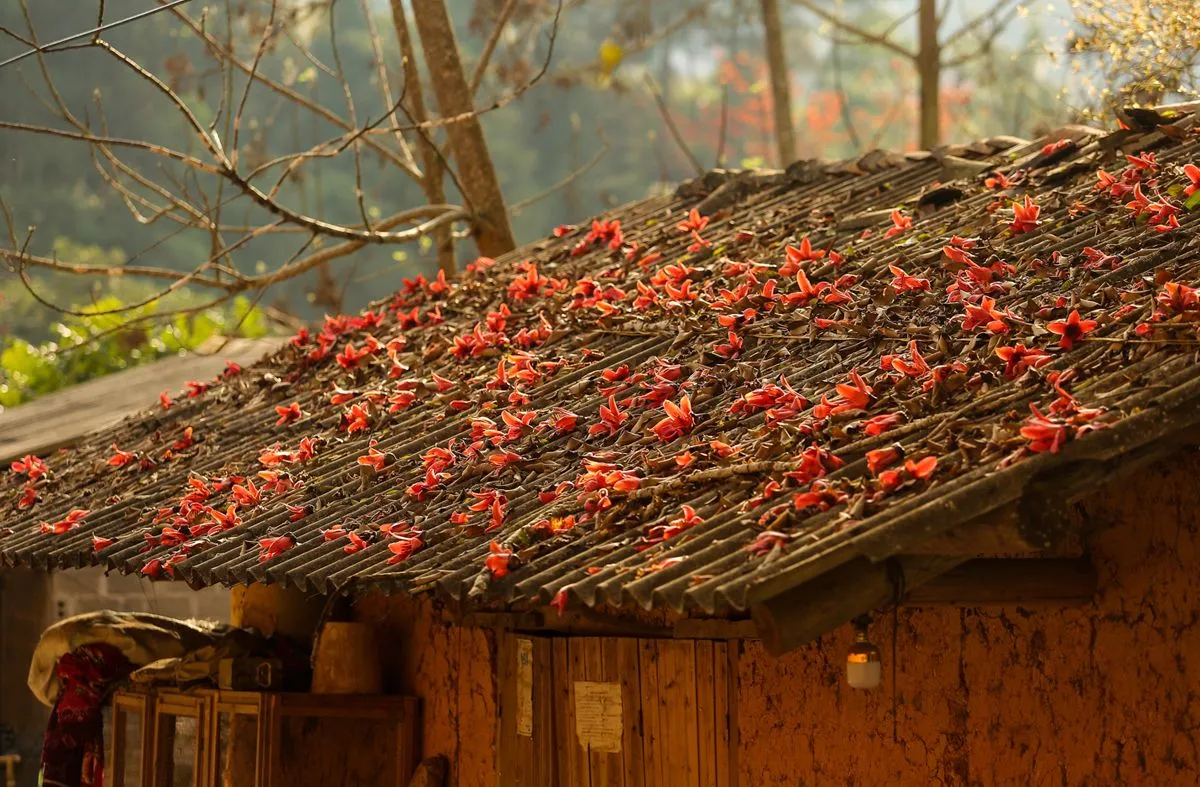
598, 720
525, 688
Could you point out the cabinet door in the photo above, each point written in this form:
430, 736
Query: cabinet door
131, 739
180, 741
237, 748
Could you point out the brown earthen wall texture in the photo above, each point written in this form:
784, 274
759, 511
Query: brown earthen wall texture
452, 670
1104, 695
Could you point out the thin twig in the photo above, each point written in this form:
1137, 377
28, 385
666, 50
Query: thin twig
489, 46
666, 116
517, 207
95, 31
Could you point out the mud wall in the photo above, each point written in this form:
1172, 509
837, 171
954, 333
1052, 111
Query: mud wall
1106, 694
452, 670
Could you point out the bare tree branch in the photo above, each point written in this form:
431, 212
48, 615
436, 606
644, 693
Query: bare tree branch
489, 46
665, 111
866, 36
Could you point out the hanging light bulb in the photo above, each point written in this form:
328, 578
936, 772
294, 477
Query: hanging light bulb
863, 666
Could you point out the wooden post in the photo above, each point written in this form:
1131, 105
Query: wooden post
271, 609
346, 660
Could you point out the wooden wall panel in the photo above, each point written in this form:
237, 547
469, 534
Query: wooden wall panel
676, 713
526, 760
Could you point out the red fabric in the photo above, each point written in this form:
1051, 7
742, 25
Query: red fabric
73, 749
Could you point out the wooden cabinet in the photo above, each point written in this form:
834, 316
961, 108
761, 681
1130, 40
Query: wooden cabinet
205, 738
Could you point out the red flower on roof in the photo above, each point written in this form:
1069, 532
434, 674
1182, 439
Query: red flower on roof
693, 223
1025, 217
227, 521
881, 423
404, 546
611, 418
1193, 175
100, 543
30, 466
356, 419
1017, 358
984, 314
679, 420
195, 388
1143, 161
905, 283
499, 560
374, 458
288, 414
1072, 330
900, 224
121, 458
797, 255
29, 496
248, 495
1044, 434
65, 525
731, 349
164, 400
271, 548
883, 457
231, 369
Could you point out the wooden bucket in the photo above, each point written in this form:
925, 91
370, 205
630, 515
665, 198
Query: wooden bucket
346, 660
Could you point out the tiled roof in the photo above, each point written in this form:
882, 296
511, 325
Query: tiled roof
537, 389
61, 418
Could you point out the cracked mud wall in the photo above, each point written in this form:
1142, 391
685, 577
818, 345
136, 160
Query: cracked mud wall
452, 670
1107, 694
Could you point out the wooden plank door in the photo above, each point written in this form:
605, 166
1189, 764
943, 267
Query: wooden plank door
526, 733
615, 712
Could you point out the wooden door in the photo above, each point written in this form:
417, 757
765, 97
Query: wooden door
616, 712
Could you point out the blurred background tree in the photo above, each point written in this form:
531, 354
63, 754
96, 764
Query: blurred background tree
586, 134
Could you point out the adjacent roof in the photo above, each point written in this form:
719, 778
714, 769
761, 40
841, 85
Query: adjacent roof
61, 418
872, 351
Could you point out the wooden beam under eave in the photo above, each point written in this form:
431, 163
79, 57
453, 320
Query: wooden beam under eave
997, 533
803, 613
1010, 582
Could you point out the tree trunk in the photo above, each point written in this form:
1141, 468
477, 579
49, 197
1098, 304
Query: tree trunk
475, 169
433, 182
929, 72
781, 97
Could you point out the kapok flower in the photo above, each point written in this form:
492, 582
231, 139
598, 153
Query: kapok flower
883, 457
499, 560
1025, 217
1018, 358
288, 413
1193, 175
900, 224
271, 548
679, 420
1072, 330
